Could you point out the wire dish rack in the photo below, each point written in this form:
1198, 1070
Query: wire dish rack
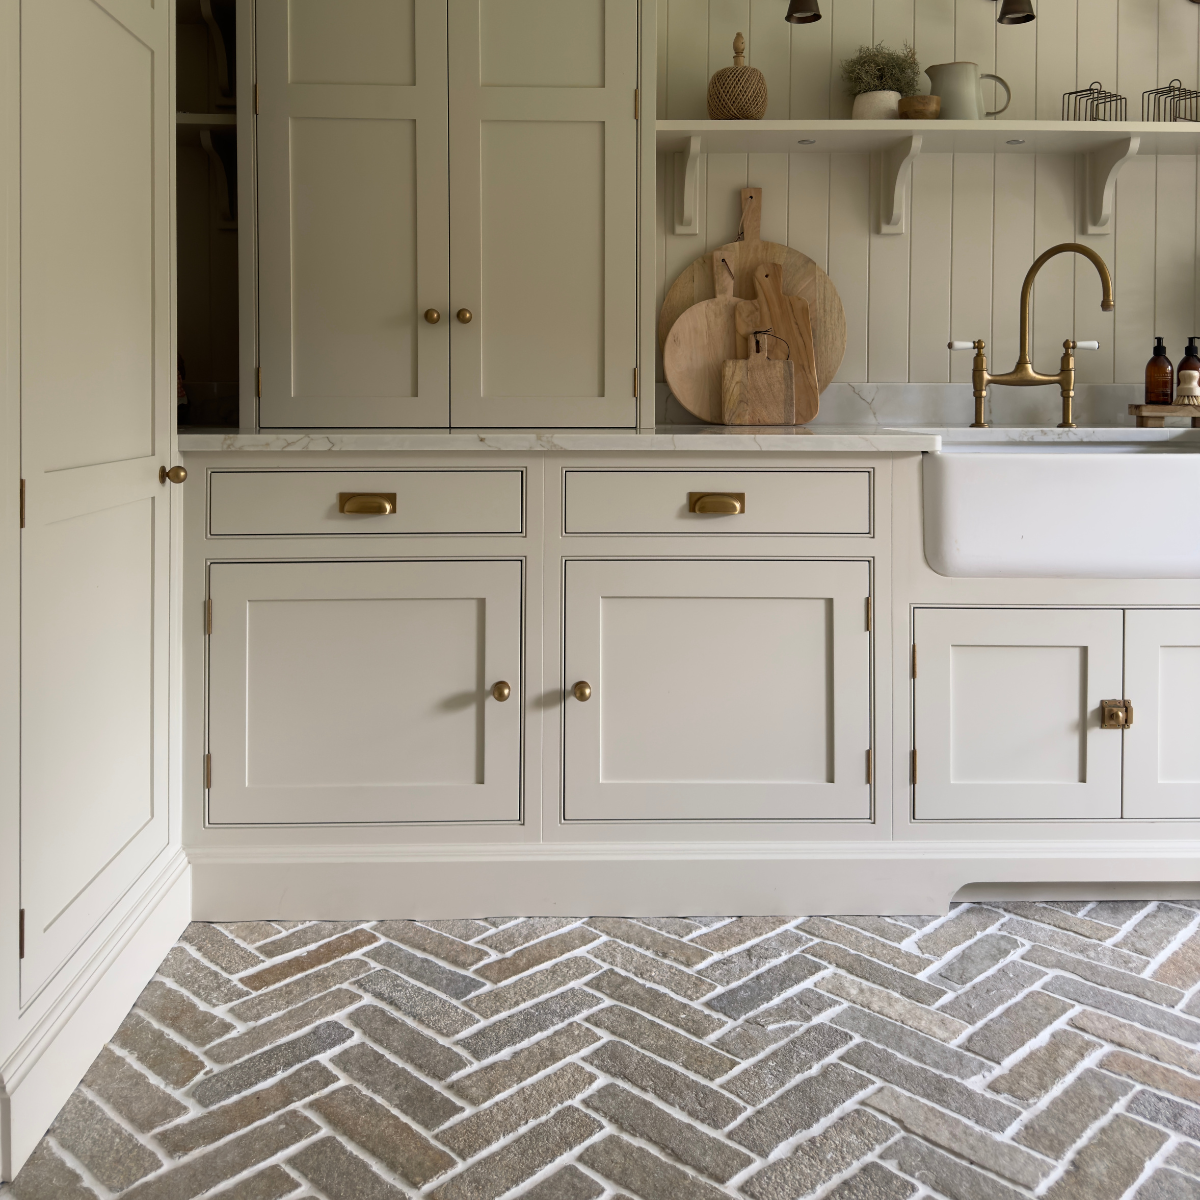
1094, 104
1171, 103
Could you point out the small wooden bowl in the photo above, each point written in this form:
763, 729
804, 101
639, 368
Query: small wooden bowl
920, 108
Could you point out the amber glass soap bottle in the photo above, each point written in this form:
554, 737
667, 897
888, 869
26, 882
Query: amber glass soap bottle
1191, 357
1160, 376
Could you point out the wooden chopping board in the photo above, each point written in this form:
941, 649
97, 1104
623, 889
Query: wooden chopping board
801, 277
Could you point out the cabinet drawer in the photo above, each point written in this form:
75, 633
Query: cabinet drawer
829, 503
305, 503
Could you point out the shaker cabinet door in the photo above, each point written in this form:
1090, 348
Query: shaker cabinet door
344, 692
1007, 714
352, 213
543, 194
719, 690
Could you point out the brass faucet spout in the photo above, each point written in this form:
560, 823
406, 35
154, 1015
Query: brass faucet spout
1106, 303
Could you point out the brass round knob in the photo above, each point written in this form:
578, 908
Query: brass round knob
465, 315
501, 691
432, 316
175, 474
582, 690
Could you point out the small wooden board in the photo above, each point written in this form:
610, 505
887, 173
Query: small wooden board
1153, 416
758, 390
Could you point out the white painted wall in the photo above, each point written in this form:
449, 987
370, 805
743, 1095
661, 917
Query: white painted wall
978, 220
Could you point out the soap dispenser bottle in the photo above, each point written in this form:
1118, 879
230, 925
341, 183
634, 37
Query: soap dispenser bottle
1191, 357
1160, 376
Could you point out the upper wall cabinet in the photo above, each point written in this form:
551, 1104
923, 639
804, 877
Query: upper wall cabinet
447, 200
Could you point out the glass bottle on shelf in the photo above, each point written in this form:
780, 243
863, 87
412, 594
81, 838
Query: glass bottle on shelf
1160, 376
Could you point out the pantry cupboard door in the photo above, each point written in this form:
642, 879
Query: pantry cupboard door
1006, 707
97, 397
1162, 682
347, 693
734, 690
352, 220
543, 192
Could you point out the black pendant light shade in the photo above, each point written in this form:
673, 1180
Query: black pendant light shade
1016, 12
802, 12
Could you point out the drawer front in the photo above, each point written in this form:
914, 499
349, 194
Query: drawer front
441, 503
812, 502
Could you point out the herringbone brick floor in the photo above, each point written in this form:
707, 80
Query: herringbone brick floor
1006, 1050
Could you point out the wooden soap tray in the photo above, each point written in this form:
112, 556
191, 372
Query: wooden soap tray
1150, 416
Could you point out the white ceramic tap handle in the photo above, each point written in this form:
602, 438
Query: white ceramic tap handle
962, 345
1087, 345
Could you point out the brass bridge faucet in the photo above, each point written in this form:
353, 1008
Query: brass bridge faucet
1023, 374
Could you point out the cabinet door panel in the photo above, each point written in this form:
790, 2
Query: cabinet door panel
1007, 714
352, 213
1162, 681
543, 158
720, 690
361, 692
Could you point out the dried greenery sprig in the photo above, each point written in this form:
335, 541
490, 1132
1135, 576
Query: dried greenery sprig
878, 69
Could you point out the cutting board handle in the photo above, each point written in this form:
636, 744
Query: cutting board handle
723, 276
750, 229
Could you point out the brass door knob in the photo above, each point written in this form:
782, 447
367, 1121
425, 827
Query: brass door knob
432, 316
175, 474
582, 690
465, 315
501, 691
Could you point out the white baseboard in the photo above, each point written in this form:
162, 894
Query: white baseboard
49, 1062
658, 879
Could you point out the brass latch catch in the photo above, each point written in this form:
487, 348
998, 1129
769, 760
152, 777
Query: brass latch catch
1116, 714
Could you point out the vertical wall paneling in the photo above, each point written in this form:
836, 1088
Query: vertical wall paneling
971, 256
1175, 253
1137, 50
770, 172
1092, 366
687, 59
888, 296
1177, 26
933, 33
812, 70
1096, 48
808, 206
660, 79
770, 50
1016, 64
853, 25
726, 178
975, 40
894, 23
1056, 22
849, 253
726, 18
1012, 254
929, 287
1133, 250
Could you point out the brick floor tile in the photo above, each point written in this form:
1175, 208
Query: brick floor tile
873, 1182
853, 939
383, 1135
1106, 977
220, 1122
181, 1014
251, 932
157, 1052
876, 972
1181, 968
769, 1026
464, 929
764, 987
526, 1023
684, 953
680, 927
1125, 1007
201, 981
658, 1004
1156, 930
205, 1172
920, 1081
663, 1042
881, 927
401, 1039
521, 1158
268, 1063
1110, 1163
1170, 1114
801, 1107
1055, 1129
1116, 912
643, 1173
306, 935
975, 958
490, 1080
653, 970
1018, 1024
1134, 1037
941, 1129
432, 941
46, 1177
531, 986
1185, 1157
818, 1159
267, 1003
946, 1175
733, 967
1164, 1079
926, 1050
535, 954
270, 1184
887, 1004
326, 952
442, 1016
220, 950
762, 1079
738, 932
292, 1021
682, 1140
523, 932
483, 1128
797, 1009
1044, 914
122, 1086
568, 1184
452, 983
398, 1088
966, 923
1124, 959
976, 1002
116, 1158
1167, 1185
698, 1100
341, 1174
1031, 1077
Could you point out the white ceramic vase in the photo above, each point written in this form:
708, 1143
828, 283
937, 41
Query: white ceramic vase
876, 106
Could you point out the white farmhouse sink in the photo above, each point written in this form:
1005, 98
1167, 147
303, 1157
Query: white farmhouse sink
1061, 511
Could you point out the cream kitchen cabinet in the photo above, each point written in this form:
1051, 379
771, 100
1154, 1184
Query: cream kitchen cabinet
717, 690
346, 692
446, 213
1007, 713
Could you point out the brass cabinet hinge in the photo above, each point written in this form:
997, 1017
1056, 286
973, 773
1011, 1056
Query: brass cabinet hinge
868, 614
258, 382
870, 768
21, 934
208, 616
207, 771
22, 504
637, 104
914, 660
914, 765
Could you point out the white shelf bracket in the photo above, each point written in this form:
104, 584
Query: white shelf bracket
897, 171
687, 188
1103, 167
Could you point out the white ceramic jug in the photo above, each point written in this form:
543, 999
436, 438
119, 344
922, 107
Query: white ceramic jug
960, 86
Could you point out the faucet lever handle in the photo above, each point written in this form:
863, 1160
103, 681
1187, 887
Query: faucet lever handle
1087, 345
960, 345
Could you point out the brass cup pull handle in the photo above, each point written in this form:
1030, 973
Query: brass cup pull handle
727, 504
432, 316
175, 474
501, 691
465, 315
582, 690
377, 504
1116, 714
